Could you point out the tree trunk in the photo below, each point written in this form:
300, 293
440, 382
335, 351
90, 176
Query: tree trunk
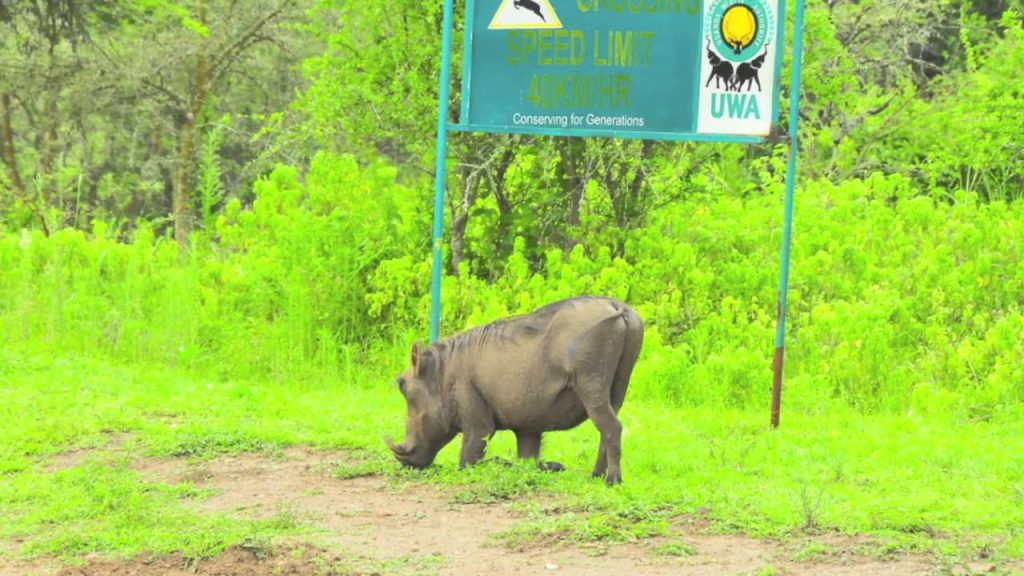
182, 177
11, 160
50, 147
458, 240
505, 216
7, 140
181, 198
572, 181
627, 203
460, 216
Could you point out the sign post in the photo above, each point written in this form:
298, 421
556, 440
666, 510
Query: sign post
787, 222
676, 70
440, 172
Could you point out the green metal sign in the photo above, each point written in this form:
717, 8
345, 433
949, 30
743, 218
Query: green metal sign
655, 69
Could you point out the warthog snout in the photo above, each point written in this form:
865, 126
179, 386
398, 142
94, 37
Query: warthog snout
406, 456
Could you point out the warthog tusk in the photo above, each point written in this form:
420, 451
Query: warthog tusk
398, 450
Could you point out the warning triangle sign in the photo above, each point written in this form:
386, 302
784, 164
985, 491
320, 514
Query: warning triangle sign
525, 14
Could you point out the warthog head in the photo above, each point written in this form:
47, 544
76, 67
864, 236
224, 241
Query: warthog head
427, 426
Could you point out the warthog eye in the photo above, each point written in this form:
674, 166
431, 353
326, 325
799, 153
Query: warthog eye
401, 385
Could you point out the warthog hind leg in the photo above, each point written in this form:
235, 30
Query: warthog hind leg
610, 451
528, 446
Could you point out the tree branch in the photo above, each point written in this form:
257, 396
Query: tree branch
227, 58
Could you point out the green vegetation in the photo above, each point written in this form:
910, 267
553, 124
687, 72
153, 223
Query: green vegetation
901, 303
193, 266
911, 483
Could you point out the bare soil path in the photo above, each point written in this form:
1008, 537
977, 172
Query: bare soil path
372, 526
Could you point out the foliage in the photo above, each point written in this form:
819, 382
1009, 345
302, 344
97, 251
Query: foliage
209, 177
925, 90
374, 86
899, 302
283, 290
99, 103
971, 139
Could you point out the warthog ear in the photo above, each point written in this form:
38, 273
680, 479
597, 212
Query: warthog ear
415, 356
424, 362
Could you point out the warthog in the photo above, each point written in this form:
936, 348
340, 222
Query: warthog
547, 370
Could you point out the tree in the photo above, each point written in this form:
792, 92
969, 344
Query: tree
103, 102
41, 49
201, 47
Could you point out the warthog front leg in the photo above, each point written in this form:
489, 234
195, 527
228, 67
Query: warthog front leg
474, 443
476, 422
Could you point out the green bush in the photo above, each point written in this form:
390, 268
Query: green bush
899, 302
286, 288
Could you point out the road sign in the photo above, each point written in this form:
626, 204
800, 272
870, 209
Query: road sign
657, 69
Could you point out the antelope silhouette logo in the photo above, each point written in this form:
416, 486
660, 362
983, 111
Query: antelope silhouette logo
531, 6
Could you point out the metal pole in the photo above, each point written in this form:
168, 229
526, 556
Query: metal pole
787, 227
439, 169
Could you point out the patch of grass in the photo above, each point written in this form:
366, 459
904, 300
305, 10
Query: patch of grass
674, 549
94, 507
11, 463
628, 524
907, 482
201, 444
527, 534
363, 464
357, 565
812, 550
494, 481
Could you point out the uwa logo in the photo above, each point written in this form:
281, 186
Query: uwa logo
738, 71
738, 35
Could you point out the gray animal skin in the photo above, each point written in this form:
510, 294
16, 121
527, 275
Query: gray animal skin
547, 370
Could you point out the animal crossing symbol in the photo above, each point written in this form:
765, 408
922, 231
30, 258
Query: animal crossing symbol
531, 6
525, 14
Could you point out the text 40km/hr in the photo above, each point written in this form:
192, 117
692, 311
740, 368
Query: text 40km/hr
580, 91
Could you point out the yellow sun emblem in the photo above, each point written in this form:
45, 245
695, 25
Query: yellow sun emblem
739, 27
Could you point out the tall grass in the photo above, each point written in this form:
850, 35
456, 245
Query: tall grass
278, 289
899, 302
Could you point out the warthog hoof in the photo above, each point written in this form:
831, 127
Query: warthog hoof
499, 461
550, 466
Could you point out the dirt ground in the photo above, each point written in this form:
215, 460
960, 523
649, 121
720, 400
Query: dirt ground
373, 527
